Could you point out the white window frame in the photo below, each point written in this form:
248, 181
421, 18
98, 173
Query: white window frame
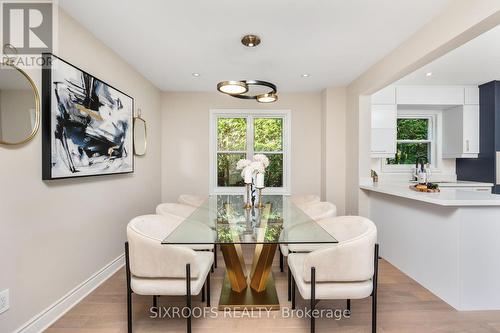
250, 114
432, 139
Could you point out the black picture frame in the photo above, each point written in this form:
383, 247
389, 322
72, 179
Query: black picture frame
47, 130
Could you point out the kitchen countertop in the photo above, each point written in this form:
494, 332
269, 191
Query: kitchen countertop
448, 197
463, 183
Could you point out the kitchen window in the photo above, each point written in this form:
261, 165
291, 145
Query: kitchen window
239, 134
415, 139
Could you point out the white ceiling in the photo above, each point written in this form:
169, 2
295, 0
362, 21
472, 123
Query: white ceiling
332, 40
474, 63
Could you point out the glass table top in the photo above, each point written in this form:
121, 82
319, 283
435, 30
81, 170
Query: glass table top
222, 219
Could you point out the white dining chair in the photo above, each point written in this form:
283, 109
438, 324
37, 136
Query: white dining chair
154, 269
348, 270
191, 199
174, 212
316, 210
176, 209
304, 199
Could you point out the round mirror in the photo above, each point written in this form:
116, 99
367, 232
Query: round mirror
140, 137
19, 106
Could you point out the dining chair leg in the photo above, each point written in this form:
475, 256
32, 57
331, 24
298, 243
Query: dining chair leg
203, 293
293, 292
374, 292
289, 285
313, 299
208, 290
215, 255
188, 297
155, 303
129, 290
281, 262
349, 306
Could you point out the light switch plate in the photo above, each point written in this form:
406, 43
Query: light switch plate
4, 300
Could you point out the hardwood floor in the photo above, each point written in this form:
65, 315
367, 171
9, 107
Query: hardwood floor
404, 306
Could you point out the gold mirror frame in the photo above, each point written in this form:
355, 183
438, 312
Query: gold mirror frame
37, 105
139, 118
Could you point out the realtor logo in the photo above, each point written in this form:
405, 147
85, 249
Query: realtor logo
27, 26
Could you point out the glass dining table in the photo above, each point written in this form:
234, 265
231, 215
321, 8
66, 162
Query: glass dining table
224, 221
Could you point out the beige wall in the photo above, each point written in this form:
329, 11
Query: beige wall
461, 21
56, 234
333, 155
185, 139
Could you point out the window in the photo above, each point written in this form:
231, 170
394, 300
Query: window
239, 134
414, 140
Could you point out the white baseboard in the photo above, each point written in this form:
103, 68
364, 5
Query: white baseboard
47, 317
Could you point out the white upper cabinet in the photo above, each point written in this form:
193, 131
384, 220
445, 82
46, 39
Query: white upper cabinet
385, 96
383, 136
430, 95
461, 132
471, 95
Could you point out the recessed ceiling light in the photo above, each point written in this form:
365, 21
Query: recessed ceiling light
196, 74
250, 40
305, 75
428, 74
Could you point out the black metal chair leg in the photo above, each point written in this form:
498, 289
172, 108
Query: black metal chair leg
155, 303
188, 297
129, 290
313, 299
208, 290
215, 255
289, 285
374, 292
203, 293
349, 305
281, 262
293, 293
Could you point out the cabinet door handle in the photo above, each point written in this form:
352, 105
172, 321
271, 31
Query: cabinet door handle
467, 145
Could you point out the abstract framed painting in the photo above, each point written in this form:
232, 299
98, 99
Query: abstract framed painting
87, 125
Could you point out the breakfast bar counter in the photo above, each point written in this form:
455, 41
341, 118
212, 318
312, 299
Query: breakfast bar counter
449, 196
448, 242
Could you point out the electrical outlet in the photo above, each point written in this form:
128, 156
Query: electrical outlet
4, 300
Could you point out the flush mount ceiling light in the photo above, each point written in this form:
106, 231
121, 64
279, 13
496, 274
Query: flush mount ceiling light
250, 40
232, 87
239, 88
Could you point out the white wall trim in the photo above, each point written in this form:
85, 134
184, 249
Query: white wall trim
47, 317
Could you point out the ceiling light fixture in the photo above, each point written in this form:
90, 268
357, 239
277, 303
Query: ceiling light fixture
196, 74
428, 74
239, 88
232, 87
250, 40
267, 98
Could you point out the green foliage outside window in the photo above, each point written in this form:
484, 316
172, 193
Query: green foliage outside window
268, 134
231, 138
410, 130
231, 134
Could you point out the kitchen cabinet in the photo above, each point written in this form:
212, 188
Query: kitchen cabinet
471, 95
461, 132
430, 95
385, 96
384, 132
